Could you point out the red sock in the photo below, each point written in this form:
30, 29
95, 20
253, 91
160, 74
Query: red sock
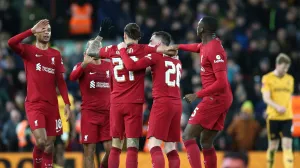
114, 158
174, 161
210, 158
37, 155
47, 160
158, 160
132, 157
193, 153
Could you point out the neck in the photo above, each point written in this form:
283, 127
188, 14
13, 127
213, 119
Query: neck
130, 41
277, 73
42, 46
207, 37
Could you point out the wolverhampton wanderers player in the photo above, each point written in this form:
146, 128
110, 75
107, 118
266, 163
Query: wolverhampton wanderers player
277, 89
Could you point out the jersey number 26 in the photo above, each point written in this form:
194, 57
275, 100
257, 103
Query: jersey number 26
173, 69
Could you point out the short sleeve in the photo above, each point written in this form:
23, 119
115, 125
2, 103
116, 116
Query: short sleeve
265, 86
60, 64
218, 61
104, 52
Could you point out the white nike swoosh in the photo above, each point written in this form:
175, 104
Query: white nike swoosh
38, 55
91, 73
57, 131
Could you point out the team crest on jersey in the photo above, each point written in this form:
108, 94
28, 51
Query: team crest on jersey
53, 61
107, 74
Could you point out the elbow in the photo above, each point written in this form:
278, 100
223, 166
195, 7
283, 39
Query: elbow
72, 78
10, 43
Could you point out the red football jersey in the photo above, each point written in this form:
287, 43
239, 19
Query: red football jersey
128, 86
95, 85
212, 59
166, 74
41, 66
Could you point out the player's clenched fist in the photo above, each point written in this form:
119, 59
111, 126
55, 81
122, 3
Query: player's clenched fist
40, 26
190, 97
122, 45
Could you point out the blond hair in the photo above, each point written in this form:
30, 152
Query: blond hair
283, 58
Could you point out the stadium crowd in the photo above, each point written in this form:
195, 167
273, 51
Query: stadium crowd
254, 32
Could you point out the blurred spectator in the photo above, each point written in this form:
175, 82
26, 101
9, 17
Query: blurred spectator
30, 14
235, 160
81, 18
9, 135
244, 129
9, 19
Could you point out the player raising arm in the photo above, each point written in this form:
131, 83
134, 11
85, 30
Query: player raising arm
277, 89
44, 71
95, 87
166, 110
208, 117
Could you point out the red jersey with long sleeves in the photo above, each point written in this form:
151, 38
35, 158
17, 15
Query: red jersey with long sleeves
128, 86
166, 74
41, 68
213, 59
95, 85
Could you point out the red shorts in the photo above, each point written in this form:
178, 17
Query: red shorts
126, 120
210, 113
44, 115
94, 127
164, 122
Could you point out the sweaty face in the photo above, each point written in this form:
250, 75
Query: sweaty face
282, 68
154, 41
44, 37
233, 163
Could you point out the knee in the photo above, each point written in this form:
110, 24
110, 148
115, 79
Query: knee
133, 142
273, 145
153, 142
49, 147
170, 146
186, 136
41, 143
287, 143
89, 150
206, 143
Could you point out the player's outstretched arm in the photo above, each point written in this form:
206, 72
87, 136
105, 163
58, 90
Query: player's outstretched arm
185, 47
219, 85
129, 63
15, 42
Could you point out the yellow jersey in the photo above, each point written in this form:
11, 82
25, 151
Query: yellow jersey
61, 106
281, 90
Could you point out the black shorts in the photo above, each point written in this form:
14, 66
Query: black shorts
278, 128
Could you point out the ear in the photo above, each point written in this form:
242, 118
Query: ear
125, 35
201, 30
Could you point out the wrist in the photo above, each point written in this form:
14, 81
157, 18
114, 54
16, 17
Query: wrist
32, 31
83, 64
